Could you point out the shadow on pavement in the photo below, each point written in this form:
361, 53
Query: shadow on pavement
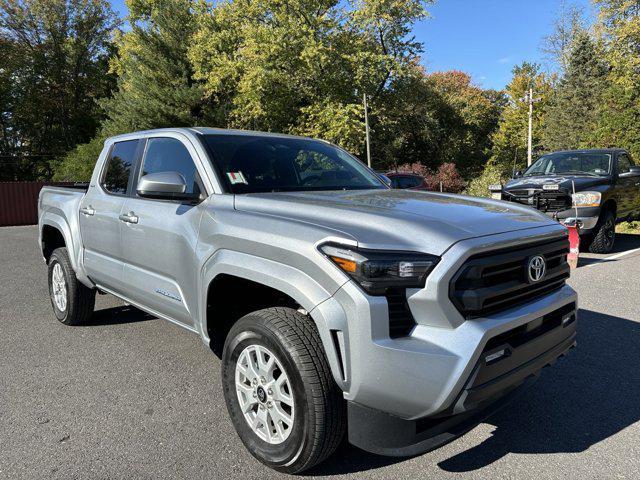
118, 316
588, 396
624, 243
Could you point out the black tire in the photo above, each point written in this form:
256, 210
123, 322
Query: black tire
320, 411
80, 300
604, 236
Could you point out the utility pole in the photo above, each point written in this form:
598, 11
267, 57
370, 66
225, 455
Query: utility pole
528, 98
366, 127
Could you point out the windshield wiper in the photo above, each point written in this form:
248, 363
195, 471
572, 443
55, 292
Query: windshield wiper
537, 174
580, 172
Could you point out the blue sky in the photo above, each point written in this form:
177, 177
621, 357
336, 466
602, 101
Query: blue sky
484, 38
487, 38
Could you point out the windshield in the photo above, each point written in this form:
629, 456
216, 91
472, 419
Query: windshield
253, 163
587, 163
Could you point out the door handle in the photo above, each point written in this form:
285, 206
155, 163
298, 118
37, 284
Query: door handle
88, 210
129, 217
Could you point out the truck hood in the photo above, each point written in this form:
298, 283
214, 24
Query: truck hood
582, 182
397, 219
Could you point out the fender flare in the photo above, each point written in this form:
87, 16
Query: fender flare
289, 280
56, 221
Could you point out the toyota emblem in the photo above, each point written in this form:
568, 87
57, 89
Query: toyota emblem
537, 268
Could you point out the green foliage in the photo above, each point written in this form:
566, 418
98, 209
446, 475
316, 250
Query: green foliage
573, 113
628, 227
302, 67
403, 123
510, 139
77, 165
53, 62
335, 122
479, 186
155, 80
467, 116
155, 84
435, 119
619, 28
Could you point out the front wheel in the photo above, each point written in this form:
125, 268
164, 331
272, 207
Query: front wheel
604, 236
72, 302
280, 394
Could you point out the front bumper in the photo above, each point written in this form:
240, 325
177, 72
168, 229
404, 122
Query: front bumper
588, 217
422, 374
493, 382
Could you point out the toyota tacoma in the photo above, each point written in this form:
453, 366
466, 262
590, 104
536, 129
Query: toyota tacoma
337, 305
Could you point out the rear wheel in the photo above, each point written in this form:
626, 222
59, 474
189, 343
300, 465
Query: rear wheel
72, 302
279, 391
604, 236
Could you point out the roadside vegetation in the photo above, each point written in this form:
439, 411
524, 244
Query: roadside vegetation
71, 74
628, 227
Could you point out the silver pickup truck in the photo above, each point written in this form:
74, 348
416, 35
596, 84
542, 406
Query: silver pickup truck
335, 303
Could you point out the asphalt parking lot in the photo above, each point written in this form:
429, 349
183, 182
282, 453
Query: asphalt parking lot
132, 396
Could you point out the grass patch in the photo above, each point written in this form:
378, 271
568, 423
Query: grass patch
628, 227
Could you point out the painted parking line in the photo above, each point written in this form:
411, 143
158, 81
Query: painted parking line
612, 257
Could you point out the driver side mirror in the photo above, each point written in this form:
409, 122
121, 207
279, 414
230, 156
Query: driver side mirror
517, 173
633, 172
164, 186
385, 179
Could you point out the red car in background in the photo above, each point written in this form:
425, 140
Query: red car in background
407, 181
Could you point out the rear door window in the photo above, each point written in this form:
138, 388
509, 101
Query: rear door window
118, 169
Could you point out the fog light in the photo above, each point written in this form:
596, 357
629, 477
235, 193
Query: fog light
495, 355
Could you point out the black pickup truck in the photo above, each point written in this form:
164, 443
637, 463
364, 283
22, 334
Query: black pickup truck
595, 188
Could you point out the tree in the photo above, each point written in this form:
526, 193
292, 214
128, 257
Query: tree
510, 139
9, 142
302, 67
479, 186
447, 177
405, 127
155, 86
573, 113
467, 116
558, 45
56, 52
155, 78
434, 119
619, 28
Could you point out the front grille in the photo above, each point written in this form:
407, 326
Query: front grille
401, 321
543, 200
494, 281
529, 331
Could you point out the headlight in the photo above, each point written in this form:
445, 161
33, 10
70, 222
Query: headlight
586, 199
376, 270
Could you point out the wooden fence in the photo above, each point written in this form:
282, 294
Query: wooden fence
19, 202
